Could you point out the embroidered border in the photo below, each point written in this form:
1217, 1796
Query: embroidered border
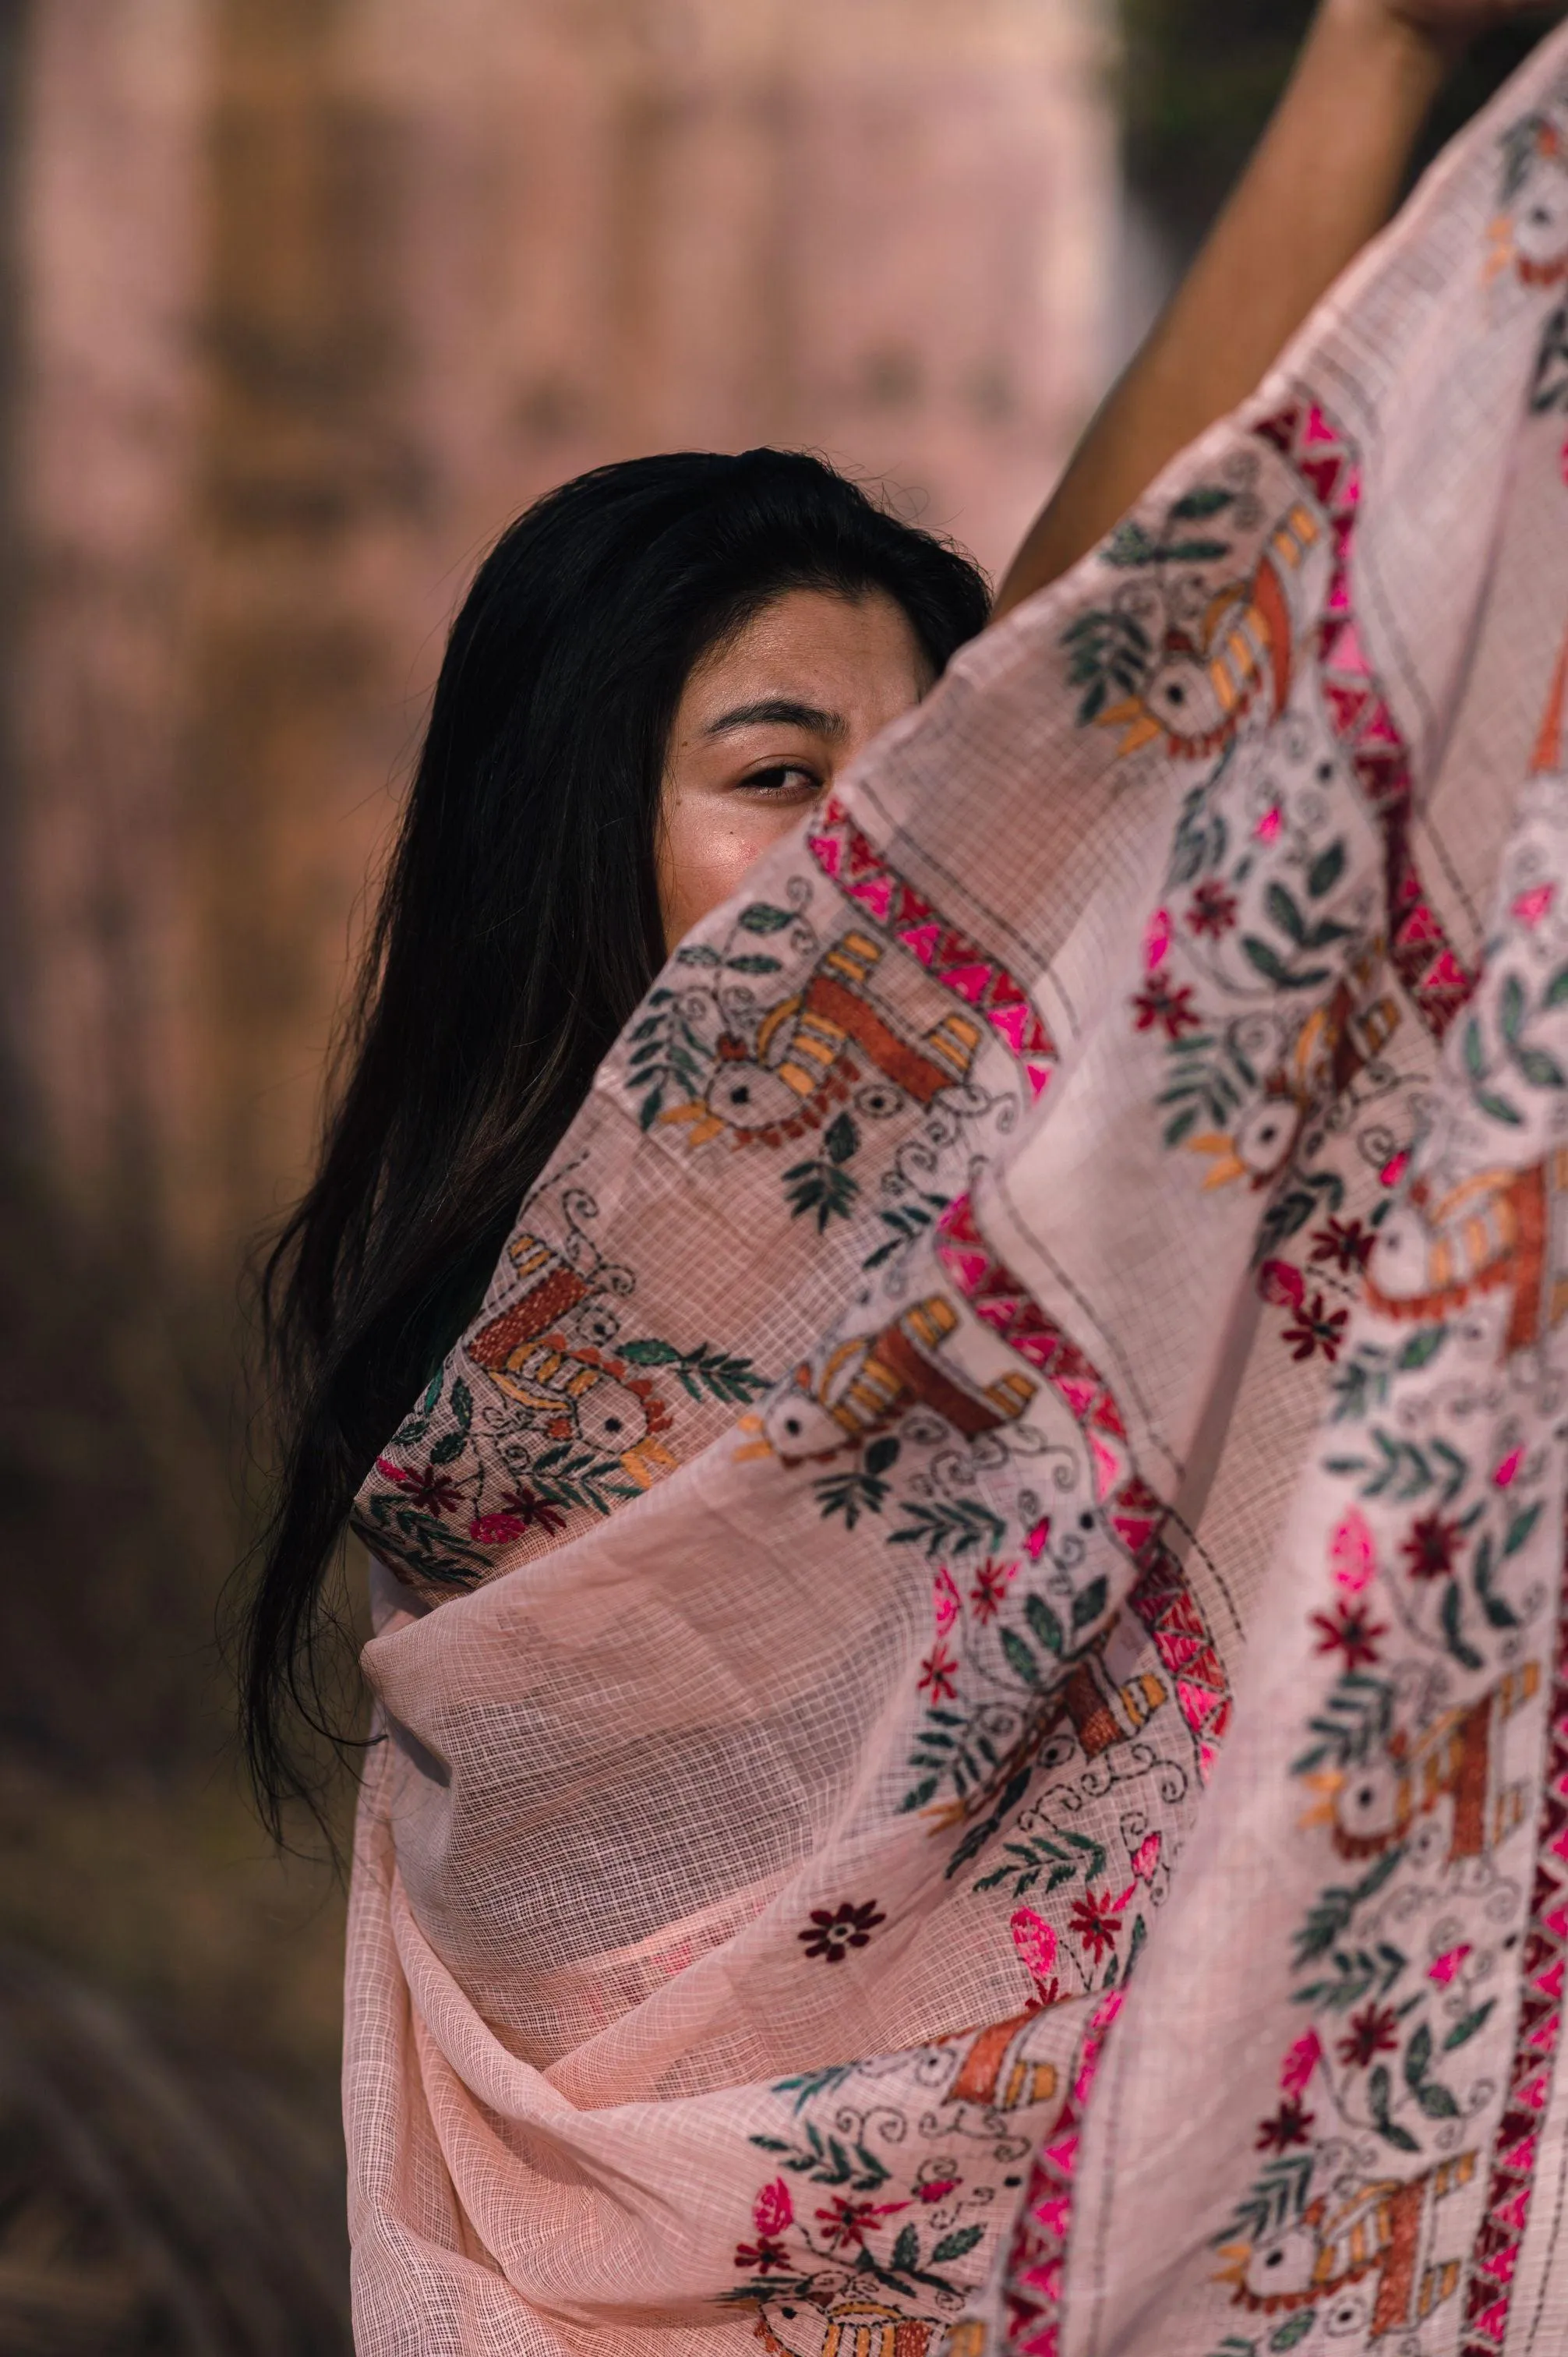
862, 874
1419, 949
1032, 2295
1495, 2258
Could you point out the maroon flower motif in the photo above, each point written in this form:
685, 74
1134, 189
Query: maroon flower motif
433, 1491
832, 1932
1344, 1244
1373, 2030
1317, 1328
846, 2224
1433, 1547
1212, 910
1096, 1922
1352, 1632
991, 1582
937, 1673
1289, 2124
761, 2259
1165, 1004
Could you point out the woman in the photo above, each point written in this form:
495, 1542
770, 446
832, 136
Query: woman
663, 1838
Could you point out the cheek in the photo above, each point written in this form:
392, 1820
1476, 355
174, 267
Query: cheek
706, 848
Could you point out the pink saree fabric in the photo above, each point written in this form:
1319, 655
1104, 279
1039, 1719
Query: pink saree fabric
969, 1647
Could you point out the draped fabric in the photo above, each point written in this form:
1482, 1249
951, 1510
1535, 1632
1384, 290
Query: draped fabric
973, 1696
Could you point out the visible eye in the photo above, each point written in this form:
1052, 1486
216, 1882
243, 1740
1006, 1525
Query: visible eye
786, 781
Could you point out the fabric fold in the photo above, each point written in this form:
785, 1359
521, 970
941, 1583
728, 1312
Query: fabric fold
1069, 1259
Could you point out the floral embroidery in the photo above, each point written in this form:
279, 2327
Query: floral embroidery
834, 1930
1345, 1244
1351, 1631
1431, 1549
1095, 1922
1373, 2031
1291, 2125
1166, 1003
1317, 1328
1212, 910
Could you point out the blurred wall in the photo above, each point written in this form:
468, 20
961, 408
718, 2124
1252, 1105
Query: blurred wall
315, 293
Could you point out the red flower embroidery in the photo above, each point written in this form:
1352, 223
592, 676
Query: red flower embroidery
1373, 2030
832, 1931
1352, 1632
761, 2259
1317, 1328
1095, 1922
846, 2224
433, 1491
535, 1512
774, 2209
1166, 1003
991, 1582
497, 1530
1213, 909
1433, 1547
937, 1674
1344, 1244
1289, 2126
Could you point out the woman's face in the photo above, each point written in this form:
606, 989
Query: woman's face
766, 722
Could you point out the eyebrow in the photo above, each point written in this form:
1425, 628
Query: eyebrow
780, 712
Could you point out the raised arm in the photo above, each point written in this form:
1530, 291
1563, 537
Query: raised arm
1324, 176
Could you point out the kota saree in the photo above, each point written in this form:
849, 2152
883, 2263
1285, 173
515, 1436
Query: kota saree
972, 1675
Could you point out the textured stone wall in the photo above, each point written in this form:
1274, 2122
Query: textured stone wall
317, 294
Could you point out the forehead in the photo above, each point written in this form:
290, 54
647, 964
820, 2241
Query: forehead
813, 647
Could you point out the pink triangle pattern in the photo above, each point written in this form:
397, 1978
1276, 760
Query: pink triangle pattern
1161, 1600
1032, 2292
1495, 2254
1435, 979
862, 874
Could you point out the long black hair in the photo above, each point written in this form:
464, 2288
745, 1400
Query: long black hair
518, 927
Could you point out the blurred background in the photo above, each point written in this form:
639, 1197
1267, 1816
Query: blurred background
300, 301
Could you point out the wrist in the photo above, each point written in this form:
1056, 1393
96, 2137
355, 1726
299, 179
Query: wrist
1398, 39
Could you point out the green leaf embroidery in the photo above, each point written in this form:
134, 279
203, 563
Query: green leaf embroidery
1325, 870
1378, 2090
1271, 966
1448, 1620
1541, 1071
954, 2245
1286, 914
841, 1138
1519, 1528
1206, 500
1020, 1659
1089, 1605
1466, 2028
1045, 1624
759, 917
